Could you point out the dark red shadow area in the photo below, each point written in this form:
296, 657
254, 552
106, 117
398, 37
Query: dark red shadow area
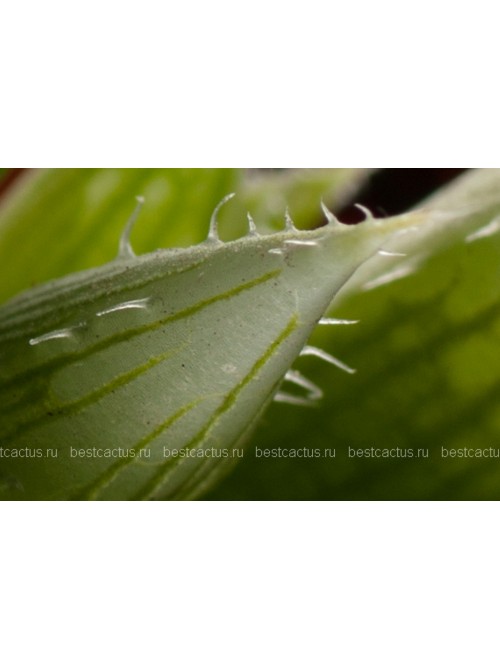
395, 190
12, 175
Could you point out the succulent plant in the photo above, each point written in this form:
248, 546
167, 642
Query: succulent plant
145, 376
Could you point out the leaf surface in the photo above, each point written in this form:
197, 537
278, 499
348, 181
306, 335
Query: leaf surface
144, 374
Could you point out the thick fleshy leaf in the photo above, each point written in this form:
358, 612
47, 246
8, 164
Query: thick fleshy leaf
426, 351
138, 379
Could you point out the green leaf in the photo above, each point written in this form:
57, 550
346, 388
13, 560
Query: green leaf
144, 374
426, 351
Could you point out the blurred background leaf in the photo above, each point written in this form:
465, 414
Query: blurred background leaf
54, 222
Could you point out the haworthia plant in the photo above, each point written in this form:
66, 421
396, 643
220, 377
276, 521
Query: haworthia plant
142, 378
168, 359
